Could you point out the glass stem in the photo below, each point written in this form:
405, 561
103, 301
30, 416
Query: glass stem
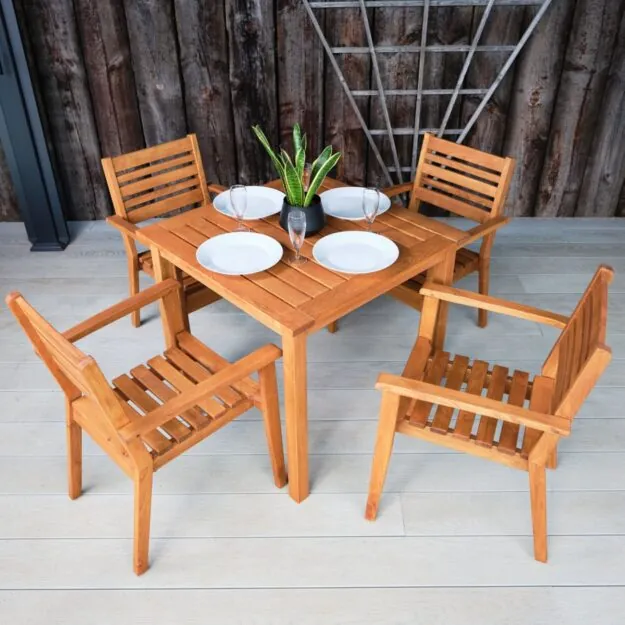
296, 254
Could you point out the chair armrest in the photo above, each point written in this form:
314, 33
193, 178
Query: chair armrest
123, 308
397, 189
125, 227
483, 229
494, 304
233, 373
216, 188
473, 403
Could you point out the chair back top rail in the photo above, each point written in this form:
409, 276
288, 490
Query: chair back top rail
465, 181
158, 180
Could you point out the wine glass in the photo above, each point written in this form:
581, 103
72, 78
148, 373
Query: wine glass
238, 203
296, 222
370, 205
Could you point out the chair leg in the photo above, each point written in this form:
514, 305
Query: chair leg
133, 282
271, 418
333, 327
552, 460
483, 277
382, 453
74, 453
538, 498
143, 509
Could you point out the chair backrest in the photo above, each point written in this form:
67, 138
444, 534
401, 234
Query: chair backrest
580, 355
462, 180
76, 373
158, 180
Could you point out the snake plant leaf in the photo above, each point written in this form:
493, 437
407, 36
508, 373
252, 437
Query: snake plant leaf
320, 160
292, 181
298, 138
300, 161
262, 137
319, 176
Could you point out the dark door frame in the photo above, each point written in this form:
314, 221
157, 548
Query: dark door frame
24, 143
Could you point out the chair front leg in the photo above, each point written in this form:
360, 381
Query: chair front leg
538, 498
74, 452
133, 276
271, 419
382, 454
143, 510
483, 276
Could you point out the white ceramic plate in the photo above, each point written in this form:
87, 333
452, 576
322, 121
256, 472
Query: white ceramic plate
355, 252
239, 253
261, 202
346, 203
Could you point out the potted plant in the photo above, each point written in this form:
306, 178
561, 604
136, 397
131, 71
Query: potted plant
300, 186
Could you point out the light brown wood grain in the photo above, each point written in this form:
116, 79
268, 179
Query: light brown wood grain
490, 426
153, 182
145, 419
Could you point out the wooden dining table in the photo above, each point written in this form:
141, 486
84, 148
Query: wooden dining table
295, 301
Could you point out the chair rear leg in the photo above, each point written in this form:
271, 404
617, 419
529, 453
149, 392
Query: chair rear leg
271, 419
538, 498
74, 453
133, 282
333, 327
143, 509
483, 286
382, 453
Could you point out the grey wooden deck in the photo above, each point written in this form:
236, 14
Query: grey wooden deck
453, 541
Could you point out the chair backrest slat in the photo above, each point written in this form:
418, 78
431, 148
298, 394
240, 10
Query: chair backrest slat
465, 181
77, 373
158, 180
583, 335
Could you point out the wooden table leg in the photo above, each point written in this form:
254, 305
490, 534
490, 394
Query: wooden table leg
173, 311
296, 414
442, 273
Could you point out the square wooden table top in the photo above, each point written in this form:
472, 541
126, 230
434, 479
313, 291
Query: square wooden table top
291, 300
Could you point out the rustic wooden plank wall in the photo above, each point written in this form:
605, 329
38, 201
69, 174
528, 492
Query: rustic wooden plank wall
116, 75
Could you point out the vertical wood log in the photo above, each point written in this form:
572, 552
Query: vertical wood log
67, 103
604, 177
536, 82
8, 200
620, 209
152, 34
204, 62
578, 104
503, 26
300, 74
104, 39
399, 70
344, 27
251, 38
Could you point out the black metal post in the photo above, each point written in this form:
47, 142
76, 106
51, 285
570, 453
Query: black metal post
23, 141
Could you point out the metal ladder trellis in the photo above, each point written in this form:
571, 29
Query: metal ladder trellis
422, 49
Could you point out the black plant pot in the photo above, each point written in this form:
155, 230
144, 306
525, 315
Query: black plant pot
315, 217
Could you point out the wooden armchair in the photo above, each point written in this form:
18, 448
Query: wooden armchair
160, 409
151, 183
522, 418
468, 183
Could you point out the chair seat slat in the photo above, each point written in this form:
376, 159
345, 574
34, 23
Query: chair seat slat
455, 379
496, 389
475, 383
510, 431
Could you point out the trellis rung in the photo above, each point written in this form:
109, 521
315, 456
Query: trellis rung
382, 4
416, 49
410, 131
431, 92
